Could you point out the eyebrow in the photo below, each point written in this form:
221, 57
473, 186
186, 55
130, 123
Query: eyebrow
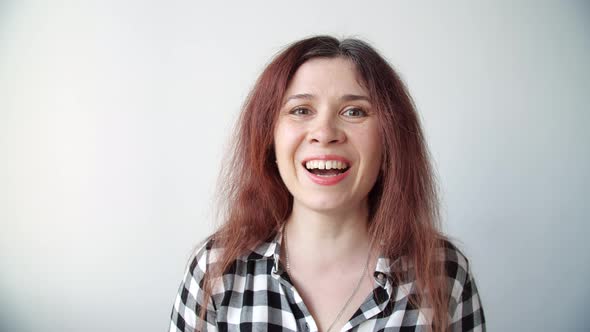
347, 97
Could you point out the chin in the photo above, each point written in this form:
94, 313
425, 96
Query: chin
325, 204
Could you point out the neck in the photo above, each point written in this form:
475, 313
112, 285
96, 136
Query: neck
329, 236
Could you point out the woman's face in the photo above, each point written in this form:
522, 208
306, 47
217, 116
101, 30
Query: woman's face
327, 140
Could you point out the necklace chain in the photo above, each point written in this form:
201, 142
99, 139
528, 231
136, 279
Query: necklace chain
356, 288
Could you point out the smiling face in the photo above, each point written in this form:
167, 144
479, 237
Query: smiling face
326, 139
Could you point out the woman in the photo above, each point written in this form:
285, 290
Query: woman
331, 209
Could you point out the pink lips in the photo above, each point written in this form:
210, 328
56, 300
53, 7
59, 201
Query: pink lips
327, 180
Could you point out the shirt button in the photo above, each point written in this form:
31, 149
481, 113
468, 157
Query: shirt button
380, 276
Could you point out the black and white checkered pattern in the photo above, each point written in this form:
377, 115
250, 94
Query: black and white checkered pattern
257, 295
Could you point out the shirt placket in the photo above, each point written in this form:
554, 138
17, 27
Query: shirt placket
306, 321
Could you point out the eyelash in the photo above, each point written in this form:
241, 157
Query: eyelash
294, 111
363, 112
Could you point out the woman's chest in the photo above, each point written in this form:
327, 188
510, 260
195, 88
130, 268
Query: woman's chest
272, 303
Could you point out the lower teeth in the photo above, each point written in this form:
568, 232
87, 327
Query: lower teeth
327, 173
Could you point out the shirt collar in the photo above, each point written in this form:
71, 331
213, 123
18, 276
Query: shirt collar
272, 249
268, 249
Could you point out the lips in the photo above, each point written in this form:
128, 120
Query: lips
326, 170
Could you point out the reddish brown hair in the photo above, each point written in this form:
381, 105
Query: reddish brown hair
403, 203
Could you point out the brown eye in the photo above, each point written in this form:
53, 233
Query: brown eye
300, 111
355, 113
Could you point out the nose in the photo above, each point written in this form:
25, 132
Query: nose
325, 130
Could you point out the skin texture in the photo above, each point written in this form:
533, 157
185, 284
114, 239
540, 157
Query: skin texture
328, 243
325, 124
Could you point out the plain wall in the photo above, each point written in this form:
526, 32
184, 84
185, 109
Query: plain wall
114, 116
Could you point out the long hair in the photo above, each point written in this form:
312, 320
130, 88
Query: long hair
403, 204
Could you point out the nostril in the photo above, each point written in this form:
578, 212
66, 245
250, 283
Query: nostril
326, 135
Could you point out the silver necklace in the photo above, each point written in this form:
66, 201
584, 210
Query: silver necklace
356, 289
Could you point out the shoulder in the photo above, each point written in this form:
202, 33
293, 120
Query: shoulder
465, 306
211, 251
203, 255
457, 271
461, 281
455, 261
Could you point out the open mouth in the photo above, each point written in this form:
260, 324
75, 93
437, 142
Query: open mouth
326, 168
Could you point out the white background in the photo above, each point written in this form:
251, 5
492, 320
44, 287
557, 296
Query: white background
114, 116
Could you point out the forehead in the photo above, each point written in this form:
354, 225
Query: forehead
326, 76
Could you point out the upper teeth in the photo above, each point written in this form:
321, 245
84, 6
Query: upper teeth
326, 164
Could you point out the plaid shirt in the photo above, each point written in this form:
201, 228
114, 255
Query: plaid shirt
256, 294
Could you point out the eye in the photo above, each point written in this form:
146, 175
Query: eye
354, 113
300, 111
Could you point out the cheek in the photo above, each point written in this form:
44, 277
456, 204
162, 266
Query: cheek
372, 148
377, 149
287, 139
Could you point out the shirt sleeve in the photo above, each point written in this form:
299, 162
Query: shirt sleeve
468, 314
189, 301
